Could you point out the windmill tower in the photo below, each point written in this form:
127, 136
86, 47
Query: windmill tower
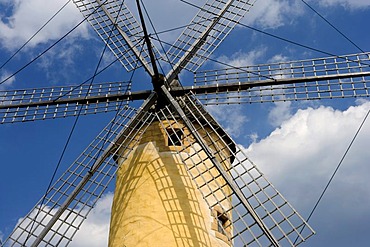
176, 167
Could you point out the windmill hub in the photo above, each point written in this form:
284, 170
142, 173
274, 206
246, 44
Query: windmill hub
158, 81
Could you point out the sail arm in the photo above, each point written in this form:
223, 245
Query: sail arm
56, 218
118, 28
211, 166
293, 89
220, 168
322, 78
58, 102
207, 30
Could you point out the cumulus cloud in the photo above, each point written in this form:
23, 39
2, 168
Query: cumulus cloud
231, 116
27, 16
242, 59
252, 57
277, 13
64, 59
300, 156
310, 134
352, 4
5, 80
279, 113
273, 13
93, 232
1, 237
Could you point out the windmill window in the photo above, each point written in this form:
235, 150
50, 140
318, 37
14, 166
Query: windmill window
222, 222
174, 137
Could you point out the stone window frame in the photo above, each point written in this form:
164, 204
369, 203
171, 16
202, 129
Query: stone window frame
224, 234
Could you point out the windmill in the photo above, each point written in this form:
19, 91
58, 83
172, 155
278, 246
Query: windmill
244, 208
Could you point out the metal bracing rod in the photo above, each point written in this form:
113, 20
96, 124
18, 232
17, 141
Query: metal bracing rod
197, 45
127, 39
223, 173
112, 146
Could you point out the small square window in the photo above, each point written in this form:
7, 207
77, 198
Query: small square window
174, 137
222, 223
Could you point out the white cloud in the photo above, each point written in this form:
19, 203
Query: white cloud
273, 13
279, 113
253, 137
1, 237
93, 232
27, 16
352, 4
242, 59
277, 13
231, 116
310, 134
55, 62
4, 76
252, 57
300, 156
277, 58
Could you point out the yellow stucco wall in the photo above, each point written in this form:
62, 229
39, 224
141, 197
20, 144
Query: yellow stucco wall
156, 203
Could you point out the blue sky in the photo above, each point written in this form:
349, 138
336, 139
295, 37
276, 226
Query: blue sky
297, 145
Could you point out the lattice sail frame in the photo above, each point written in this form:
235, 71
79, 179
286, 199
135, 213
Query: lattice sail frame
323, 78
118, 28
209, 27
58, 102
74, 194
284, 223
56, 218
271, 208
